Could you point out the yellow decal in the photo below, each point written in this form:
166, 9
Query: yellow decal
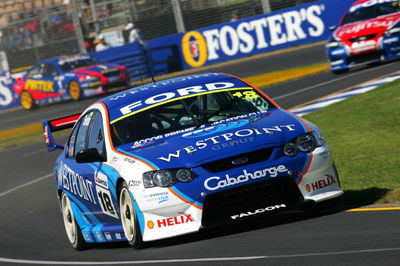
194, 49
39, 85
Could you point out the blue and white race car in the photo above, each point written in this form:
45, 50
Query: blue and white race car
68, 77
169, 158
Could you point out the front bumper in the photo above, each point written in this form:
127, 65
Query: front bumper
175, 214
341, 59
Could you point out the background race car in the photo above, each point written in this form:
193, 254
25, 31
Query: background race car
368, 33
169, 158
68, 77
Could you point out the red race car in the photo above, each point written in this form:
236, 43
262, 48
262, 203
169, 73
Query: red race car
369, 32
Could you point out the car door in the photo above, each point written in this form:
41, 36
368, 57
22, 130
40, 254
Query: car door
78, 178
51, 78
92, 186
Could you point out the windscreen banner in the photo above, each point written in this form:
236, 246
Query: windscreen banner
286, 28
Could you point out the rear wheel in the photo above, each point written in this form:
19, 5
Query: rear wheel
27, 101
129, 218
71, 227
74, 90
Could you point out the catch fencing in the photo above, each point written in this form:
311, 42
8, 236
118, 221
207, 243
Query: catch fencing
34, 30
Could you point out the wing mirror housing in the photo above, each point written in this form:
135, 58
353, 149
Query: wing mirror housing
91, 155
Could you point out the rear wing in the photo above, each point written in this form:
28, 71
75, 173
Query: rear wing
50, 126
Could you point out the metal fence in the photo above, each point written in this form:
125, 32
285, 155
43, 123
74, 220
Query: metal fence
33, 30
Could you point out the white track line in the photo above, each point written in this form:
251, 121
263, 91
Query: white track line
42, 262
325, 83
25, 185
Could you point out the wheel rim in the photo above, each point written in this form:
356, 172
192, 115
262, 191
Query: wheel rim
69, 219
26, 100
74, 90
127, 214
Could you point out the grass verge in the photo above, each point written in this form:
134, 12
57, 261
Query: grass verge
364, 135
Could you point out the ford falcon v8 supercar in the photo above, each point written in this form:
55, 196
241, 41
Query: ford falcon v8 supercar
369, 32
169, 158
68, 77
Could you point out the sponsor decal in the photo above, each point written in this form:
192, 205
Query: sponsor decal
160, 197
40, 85
87, 236
134, 183
108, 236
364, 46
258, 211
214, 129
101, 180
46, 135
129, 160
359, 27
226, 137
320, 184
118, 236
6, 97
167, 96
99, 236
252, 35
216, 182
194, 49
171, 221
75, 183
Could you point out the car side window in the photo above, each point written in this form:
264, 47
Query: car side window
35, 71
96, 137
81, 136
71, 141
50, 71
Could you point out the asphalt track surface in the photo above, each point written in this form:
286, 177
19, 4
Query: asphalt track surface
31, 229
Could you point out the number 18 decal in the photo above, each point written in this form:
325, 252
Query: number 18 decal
106, 202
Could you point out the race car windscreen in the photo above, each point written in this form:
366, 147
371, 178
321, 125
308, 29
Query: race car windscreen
365, 13
190, 112
68, 65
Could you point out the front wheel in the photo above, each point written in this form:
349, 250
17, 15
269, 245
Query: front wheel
129, 218
71, 227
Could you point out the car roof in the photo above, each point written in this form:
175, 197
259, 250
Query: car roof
151, 89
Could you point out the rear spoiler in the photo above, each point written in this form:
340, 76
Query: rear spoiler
50, 126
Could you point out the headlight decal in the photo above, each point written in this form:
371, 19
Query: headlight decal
305, 168
177, 193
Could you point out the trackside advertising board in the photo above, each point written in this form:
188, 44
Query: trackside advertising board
300, 25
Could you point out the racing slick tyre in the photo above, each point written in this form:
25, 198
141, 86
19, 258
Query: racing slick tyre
341, 71
71, 227
74, 90
129, 218
27, 101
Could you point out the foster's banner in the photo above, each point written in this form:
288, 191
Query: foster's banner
300, 25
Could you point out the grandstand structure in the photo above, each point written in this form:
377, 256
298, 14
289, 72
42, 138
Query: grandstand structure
33, 30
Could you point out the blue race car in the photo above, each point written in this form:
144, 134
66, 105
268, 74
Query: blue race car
68, 77
169, 158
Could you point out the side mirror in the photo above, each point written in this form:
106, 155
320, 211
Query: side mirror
332, 28
89, 156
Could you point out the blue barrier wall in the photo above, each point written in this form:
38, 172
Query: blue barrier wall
295, 26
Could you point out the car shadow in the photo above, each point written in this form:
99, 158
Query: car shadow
350, 200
